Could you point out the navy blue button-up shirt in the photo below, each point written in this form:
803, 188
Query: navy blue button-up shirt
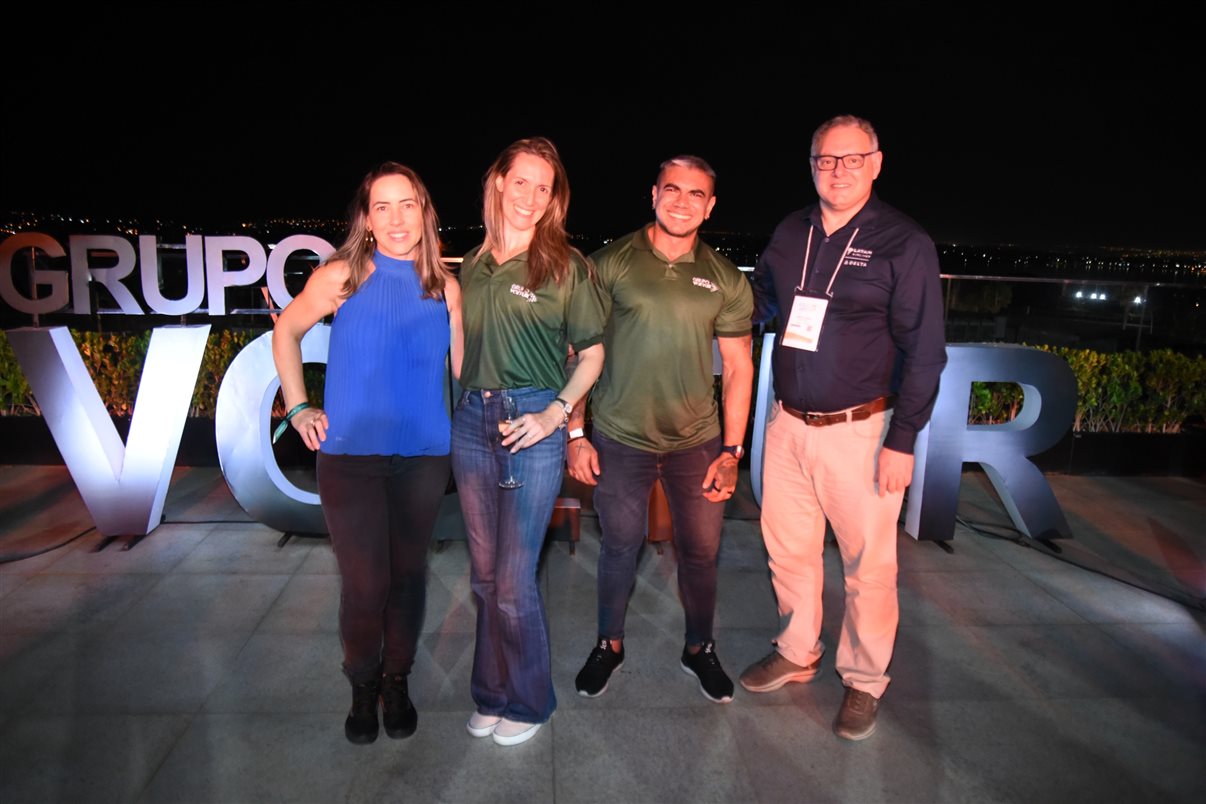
883, 330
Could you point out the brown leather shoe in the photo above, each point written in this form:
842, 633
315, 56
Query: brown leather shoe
856, 718
774, 670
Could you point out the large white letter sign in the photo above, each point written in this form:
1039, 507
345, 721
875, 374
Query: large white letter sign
1048, 408
218, 280
123, 486
57, 280
80, 247
764, 397
281, 254
242, 429
148, 249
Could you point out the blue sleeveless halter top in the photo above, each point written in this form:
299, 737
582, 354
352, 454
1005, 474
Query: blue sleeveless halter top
386, 371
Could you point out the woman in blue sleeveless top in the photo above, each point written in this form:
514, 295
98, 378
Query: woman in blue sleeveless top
383, 439
529, 296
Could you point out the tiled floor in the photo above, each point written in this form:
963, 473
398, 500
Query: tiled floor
203, 666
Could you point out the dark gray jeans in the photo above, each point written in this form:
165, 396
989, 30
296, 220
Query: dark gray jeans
380, 511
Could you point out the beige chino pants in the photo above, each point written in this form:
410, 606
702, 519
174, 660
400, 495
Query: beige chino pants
811, 474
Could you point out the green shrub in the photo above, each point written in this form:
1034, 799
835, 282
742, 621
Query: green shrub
16, 398
1174, 389
1151, 392
220, 350
994, 402
115, 360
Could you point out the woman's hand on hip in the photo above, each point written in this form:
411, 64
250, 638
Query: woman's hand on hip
532, 428
312, 425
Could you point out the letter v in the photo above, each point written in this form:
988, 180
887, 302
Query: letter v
124, 486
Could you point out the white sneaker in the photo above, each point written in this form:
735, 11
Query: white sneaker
512, 732
480, 725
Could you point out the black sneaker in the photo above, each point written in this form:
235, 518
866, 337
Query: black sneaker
397, 712
594, 676
713, 683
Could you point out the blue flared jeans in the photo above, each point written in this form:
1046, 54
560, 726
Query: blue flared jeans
626, 479
512, 670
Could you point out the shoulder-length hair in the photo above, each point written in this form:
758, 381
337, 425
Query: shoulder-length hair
357, 251
550, 250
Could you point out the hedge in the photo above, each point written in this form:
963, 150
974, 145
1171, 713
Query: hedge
1149, 392
114, 359
1119, 392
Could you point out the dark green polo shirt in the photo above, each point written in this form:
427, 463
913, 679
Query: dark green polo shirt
656, 391
516, 337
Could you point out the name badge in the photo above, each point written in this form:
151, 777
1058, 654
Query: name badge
803, 329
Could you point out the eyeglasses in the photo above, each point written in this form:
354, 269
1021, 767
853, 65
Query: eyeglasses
849, 161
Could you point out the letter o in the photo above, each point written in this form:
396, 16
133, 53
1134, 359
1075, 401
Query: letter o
281, 254
242, 420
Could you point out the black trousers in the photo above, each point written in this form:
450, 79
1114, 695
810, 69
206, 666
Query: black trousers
380, 512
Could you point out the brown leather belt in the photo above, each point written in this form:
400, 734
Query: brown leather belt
851, 415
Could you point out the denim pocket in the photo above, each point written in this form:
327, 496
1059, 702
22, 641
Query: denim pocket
536, 401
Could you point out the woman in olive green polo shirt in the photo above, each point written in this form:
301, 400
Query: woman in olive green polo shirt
527, 297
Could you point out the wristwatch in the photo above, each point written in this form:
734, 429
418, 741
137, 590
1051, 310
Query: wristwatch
576, 433
736, 451
566, 410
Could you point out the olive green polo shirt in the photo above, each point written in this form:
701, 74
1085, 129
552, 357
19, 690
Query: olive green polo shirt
516, 336
656, 391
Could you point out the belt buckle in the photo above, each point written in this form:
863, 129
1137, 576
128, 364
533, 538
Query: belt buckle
823, 419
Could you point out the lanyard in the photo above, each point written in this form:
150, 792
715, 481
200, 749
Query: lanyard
841, 261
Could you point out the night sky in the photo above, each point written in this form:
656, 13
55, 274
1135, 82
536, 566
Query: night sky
995, 129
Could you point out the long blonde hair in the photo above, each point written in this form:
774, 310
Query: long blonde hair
550, 250
357, 251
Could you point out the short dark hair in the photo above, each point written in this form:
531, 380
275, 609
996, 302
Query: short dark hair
687, 161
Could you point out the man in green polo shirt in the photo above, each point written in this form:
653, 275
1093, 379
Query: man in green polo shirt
667, 294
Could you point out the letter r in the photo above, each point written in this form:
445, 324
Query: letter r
948, 441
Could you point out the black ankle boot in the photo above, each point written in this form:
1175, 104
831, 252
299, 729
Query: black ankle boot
361, 725
397, 711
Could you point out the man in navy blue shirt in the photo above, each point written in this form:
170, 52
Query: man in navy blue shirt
855, 285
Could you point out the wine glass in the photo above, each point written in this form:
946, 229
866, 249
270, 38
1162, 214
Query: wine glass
507, 416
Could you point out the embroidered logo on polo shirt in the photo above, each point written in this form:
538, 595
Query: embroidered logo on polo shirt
700, 282
858, 257
524, 293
